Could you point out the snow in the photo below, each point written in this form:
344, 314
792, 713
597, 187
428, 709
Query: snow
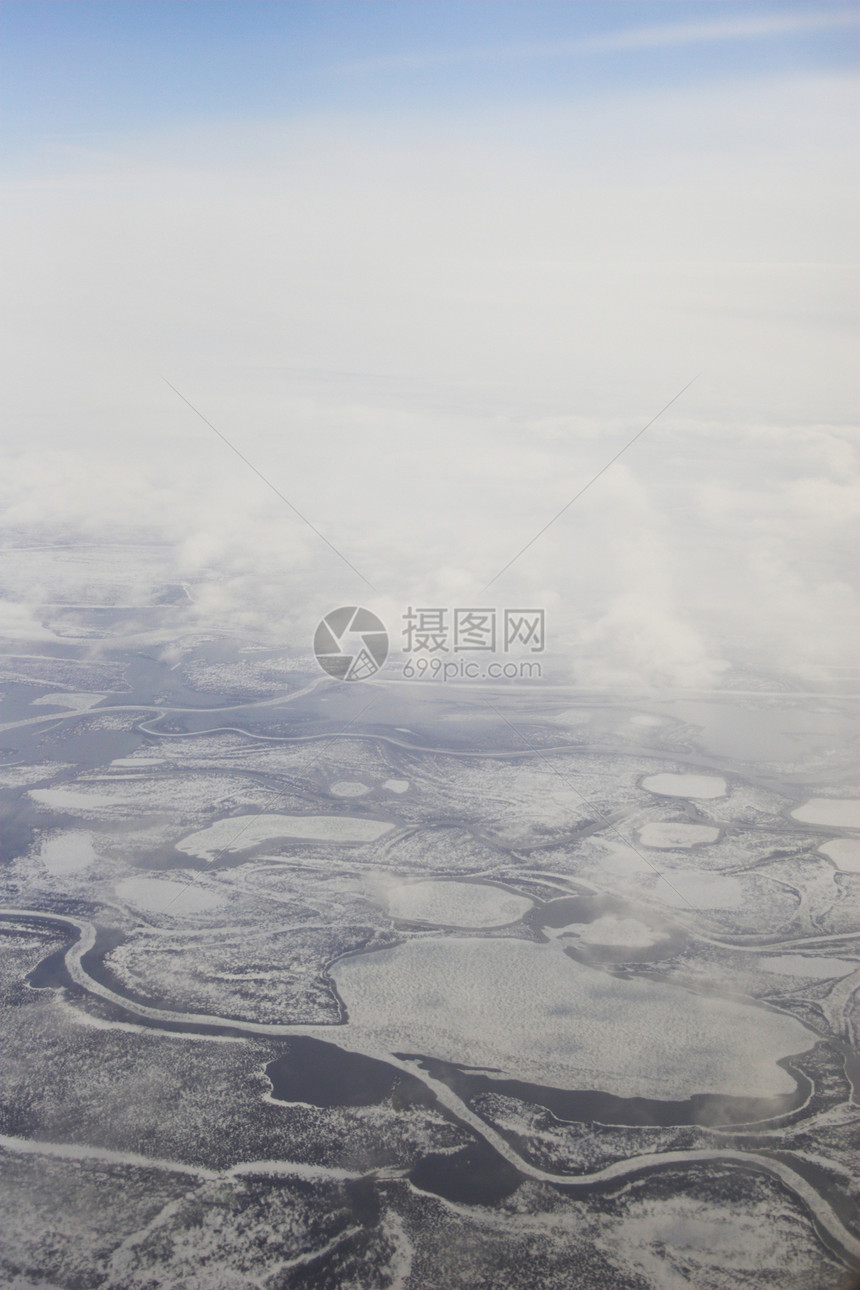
844, 852
18, 776
66, 799
453, 904
241, 832
672, 785
155, 895
834, 812
132, 763
701, 890
799, 965
611, 930
573, 717
67, 852
77, 702
670, 835
622, 861
533, 1013
349, 788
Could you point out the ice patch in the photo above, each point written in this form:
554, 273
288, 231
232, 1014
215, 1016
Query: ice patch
535, 1015
612, 930
844, 852
77, 702
396, 785
453, 904
834, 812
241, 832
623, 861
67, 853
349, 788
672, 785
156, 894
66, 799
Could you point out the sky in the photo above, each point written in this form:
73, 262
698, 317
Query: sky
428, 267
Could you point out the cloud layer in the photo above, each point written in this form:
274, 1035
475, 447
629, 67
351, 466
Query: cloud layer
428, 334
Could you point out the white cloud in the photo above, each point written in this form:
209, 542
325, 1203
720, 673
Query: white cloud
429, 335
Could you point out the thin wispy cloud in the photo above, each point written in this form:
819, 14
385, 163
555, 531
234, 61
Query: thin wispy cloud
647, 38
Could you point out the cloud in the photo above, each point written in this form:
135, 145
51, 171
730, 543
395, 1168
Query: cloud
650, 37
428, 335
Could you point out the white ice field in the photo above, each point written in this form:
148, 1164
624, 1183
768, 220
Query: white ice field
451, 904
669, 784
161, 895
242, 832
832, 812
534, 1014
844, 852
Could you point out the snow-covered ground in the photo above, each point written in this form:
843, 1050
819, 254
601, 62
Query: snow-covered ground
672, 836
688, 888
801, 965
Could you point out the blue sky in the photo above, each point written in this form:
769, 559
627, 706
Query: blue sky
76, 70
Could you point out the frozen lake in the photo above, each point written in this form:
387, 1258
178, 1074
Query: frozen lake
610, 930
533, 1014
67, 852
241, 832
833, 812
156, 894
453, 904
669, 784
844, 852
